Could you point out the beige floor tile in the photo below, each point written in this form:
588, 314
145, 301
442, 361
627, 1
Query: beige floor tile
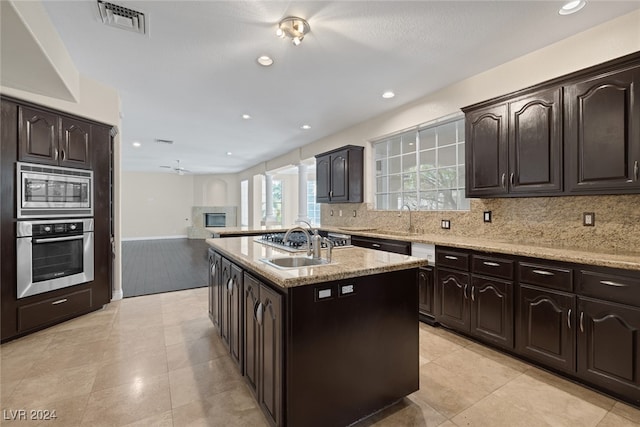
130, 370
128, 403
448, 392
496, 412
175, 317
571, 388
614, 420
408, 412
477, 368
31, 344
190, 330
67, 356
164, 419
131, 336
501, 358
80, 335
447, 335
7, 388
100, 318
61, 384
198, 382
63, 413
534, 395
16, 365
234, 407
626, 411
121, 350
433, 346
447, 424
191, 353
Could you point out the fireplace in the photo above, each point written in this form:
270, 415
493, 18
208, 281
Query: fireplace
215, 219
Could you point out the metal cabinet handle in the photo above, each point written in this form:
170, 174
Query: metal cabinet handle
255, 311
473, 291
451, 257
635, 170
260, 313
569, 318
610, 283
491, 264
543, 272
57, 239
504, 180
512, 179
582, 321
62, 155
230, 285
213, 269
465, 291
60, 301
55, 154
375, 245
330, 193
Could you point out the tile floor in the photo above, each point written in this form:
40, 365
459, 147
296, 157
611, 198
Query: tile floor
156, 361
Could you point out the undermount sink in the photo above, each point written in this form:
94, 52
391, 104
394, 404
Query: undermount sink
294, 262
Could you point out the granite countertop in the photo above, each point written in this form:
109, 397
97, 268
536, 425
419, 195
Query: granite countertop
629, 260
347, 262
222, 231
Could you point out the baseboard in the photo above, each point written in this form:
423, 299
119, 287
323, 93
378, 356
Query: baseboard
130, 239
117, 295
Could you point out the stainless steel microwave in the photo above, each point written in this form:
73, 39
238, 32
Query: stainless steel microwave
53, 192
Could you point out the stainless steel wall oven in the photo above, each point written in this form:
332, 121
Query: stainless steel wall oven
53, 254
53, 192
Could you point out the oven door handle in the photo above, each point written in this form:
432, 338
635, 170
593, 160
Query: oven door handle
58, 239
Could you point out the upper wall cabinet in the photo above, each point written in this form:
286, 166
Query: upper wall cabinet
578, 134
339, 175
602, 132
47, 138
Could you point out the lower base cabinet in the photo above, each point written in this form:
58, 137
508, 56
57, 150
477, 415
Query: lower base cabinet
426, 292
492, 310
263, 346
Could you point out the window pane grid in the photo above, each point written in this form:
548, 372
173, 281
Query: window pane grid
423, 167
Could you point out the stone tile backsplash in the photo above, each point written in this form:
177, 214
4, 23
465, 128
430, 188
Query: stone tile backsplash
553, 221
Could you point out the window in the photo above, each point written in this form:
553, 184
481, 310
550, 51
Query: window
244, 203
276, 200
423, 168
313, 208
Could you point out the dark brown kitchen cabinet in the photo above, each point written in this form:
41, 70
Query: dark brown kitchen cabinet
492, 310
453, 304
225, 303
426, 292
602, 132
546, 325
215, 268
263, 346
388, 245
48, 138
339, 175
487, 153
233, 299
609, 346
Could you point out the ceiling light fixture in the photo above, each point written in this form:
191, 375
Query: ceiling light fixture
136, 144
293, 27
265, 61
572, 7
305, 127
388, 94
229, 153
246, 116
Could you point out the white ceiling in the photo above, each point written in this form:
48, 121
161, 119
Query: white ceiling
195, 74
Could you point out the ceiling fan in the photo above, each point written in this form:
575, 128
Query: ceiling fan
178, 169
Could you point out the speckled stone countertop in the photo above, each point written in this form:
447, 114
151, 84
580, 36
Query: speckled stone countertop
222, 231
629, 260
347, 262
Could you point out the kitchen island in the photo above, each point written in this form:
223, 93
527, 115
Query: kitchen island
322, 345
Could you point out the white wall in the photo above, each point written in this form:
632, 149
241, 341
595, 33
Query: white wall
156, 205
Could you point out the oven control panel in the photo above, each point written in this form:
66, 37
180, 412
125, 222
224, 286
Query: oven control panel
65, 228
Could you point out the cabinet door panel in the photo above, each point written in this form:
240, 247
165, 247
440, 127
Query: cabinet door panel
235, 314
546, 327
492, 310
74, 147
487, 152
602, 132
38, 136
215, 271
323, 176
609, 346
426, 290
535, 142
251, 298
270, 393
225, 301
453, 288
340, 176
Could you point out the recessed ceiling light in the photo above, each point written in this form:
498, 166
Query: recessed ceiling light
265, 61
388, 94
246, 116
305, 127
572, 7
229, 153
136, 144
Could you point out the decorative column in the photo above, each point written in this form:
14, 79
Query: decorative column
303, 214
268, 185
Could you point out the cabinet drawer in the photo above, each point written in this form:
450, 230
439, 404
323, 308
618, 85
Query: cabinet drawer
44, 312
553, 277
452, 259
494, 267
395, 246
625, 290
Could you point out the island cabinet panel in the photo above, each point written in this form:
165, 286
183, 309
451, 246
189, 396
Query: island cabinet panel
215, 288
426, 292
352, 348
602, 132
225, 308
263, 346
234, 300
339, 175
546, 327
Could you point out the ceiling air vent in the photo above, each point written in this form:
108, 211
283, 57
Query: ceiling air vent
163, 141
122, 17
